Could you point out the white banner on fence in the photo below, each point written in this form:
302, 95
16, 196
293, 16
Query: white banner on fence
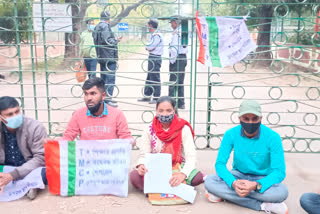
56, 17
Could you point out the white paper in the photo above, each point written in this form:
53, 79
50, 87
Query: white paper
156, 180
159, 167
17, 189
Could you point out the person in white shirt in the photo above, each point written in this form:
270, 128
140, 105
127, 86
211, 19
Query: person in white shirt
178, 63
155, 49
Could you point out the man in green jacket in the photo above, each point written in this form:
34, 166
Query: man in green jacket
20, 143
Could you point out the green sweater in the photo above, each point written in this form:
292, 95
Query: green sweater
258, 156
87, 49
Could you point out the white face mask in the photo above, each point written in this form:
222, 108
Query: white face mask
14, 122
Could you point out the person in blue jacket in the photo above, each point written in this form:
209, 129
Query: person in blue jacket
258, 165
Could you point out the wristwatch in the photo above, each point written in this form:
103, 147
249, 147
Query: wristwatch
258, 188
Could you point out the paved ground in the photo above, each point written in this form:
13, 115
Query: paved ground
302, 176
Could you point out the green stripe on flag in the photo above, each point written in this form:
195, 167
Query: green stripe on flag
213, 41
1, 168
71, 167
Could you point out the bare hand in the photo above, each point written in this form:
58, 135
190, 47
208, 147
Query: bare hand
45, 141
3, 120
1, 189
132, 142
120, 38
142, 170
244, 187
5, 178
177, 179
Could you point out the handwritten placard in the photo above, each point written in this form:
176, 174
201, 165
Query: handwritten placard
18, 188
88, 167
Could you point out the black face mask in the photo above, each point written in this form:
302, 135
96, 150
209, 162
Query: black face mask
250, 128
95, 108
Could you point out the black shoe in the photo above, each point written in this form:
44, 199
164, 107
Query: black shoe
144, 99
111, 103
182, 107
154, 101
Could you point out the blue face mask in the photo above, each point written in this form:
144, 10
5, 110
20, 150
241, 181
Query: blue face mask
14, 122
91, 27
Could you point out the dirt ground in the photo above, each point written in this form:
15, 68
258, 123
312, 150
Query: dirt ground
302, 176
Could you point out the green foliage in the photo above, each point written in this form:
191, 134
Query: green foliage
8, 22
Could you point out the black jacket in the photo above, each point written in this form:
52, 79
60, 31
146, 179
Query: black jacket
105, 42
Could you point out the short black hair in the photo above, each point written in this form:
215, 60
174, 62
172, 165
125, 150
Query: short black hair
94, 81
153, 23
105, 15
7, 102
167, 99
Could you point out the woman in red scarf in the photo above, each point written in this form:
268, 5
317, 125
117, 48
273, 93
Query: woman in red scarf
169, 134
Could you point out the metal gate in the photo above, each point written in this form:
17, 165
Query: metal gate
39, 52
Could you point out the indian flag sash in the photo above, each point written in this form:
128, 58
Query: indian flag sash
223, 41
88, 167
17, 189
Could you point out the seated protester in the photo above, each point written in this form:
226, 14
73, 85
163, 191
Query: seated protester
98, 120
168, 134
20, 143
310, 202
258, 165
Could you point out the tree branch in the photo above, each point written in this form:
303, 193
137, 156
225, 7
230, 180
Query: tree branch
124, 13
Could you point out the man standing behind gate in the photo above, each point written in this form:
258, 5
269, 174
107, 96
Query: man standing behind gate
107, 54
155, 49
178, 63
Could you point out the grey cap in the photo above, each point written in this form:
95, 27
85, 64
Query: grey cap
250, 107
174, 18
105, 15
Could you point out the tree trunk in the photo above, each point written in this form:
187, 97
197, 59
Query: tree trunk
264, 58
72, 40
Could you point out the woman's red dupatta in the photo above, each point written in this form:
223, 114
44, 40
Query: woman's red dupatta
172, 138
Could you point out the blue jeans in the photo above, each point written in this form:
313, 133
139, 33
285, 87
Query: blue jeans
91, 65
108, 74
44, 176
277, 193
310, 202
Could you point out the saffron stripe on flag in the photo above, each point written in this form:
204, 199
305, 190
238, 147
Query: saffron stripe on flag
64, 168
52, 159
1, 168
71, 167
213, 41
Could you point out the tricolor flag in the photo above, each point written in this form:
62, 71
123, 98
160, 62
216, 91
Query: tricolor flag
17, 189
223, 41
88, 167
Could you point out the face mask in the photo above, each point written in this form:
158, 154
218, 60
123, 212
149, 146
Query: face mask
91, 27
165, 118
250, 128
95, 108
14, 122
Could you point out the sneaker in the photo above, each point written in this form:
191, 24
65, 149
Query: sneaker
277, 208
144, 99
182, 107
154, 101
212, 198
32, 194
